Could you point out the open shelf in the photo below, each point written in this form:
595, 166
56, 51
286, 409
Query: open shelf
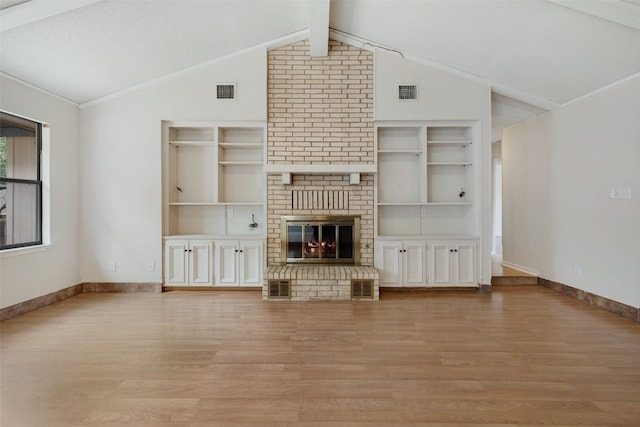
214, 177
425, 179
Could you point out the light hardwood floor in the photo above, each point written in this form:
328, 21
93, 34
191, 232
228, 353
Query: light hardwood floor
497, 269
520, 356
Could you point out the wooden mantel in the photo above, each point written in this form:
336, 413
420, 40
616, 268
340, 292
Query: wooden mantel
353, 170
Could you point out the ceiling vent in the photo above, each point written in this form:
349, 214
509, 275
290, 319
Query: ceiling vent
226, 91
407, 92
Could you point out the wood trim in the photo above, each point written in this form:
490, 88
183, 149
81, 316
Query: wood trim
39, 302
121, 287
607, 304
211, 288
57, 296
434, 288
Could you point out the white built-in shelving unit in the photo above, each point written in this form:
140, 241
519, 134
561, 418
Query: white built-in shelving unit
425, 184
214, 189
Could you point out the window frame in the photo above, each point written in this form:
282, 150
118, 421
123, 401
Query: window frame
38, 182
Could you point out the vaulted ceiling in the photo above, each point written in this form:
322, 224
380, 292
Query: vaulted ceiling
535, 54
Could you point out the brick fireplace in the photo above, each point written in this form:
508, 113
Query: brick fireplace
320, 130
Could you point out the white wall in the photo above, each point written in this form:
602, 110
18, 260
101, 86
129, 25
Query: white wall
31, 274
558, 169
441, 96
121, 154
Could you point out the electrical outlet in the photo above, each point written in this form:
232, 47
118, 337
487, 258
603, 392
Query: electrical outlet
229, 213
151, 266
113, 266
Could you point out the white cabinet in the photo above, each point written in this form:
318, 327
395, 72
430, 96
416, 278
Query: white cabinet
239, 262
401, 263
188, 263
214, 187
427, 218
452, 263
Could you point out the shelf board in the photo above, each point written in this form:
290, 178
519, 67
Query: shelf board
240, 204
216, 204
225, 163
247, 145
425, 204
461, 143
192, 143
448, 204
192, 204
401, 203
449, 164
416, 152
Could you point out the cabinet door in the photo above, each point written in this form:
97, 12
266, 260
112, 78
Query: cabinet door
465, 263
201, 265
176, 262
251, 263
389, 263
226, 262
414, 264
440, 264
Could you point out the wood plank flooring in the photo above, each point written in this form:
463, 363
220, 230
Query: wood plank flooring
520, 356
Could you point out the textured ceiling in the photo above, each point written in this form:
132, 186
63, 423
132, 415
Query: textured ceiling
546, 53
96, 50
539, 48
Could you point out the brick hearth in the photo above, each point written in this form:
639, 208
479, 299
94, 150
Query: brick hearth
318, 283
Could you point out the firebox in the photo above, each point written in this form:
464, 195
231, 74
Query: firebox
320, 239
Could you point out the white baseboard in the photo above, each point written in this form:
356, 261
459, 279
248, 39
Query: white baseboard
520, 268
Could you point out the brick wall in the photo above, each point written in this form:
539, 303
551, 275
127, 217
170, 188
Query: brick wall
360, 203
320, 111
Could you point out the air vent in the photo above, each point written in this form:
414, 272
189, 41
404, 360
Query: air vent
226, 91
361, 289
279, 289
407, 92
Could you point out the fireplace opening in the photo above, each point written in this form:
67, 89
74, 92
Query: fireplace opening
320, 239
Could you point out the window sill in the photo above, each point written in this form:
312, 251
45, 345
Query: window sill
8, 253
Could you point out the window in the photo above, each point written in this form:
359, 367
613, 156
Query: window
20, 182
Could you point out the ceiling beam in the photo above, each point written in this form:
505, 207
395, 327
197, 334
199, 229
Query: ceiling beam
35, 10
318, 27
617, 11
